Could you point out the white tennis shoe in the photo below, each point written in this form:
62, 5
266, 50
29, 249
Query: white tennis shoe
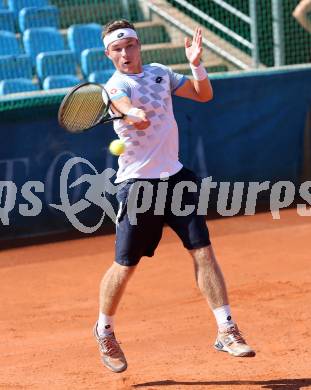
231, 340
111, 353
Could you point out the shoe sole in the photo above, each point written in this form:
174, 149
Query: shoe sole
112, 368
242, 354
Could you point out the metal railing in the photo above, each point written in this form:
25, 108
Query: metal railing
250, 20
213, 47
278, 33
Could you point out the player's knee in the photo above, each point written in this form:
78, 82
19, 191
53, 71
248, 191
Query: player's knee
123, 270
203, 256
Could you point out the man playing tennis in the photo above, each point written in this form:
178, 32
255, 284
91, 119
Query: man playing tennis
150, 135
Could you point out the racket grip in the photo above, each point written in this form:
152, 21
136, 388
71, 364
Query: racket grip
133, 115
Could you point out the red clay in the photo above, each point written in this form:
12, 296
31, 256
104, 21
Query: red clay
49, 305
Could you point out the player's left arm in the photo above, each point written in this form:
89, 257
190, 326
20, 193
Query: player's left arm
200, 91
199, 88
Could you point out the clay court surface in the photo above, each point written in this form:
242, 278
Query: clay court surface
49, 305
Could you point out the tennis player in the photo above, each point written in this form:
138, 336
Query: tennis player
150, 133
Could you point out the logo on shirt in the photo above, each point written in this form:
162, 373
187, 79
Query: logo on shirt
113, 91
120, 35
159, 79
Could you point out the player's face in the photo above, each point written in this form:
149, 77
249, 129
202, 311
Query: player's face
125, 55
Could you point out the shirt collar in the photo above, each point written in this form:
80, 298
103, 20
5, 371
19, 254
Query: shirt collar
139, 75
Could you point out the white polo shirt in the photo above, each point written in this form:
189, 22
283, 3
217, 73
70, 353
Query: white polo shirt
152, 152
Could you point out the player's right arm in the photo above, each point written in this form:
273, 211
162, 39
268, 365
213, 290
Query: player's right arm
134, 116
119, 92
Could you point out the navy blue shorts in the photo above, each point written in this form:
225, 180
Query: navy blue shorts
141, 239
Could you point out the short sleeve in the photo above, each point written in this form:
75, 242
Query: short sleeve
176, 79
117, 88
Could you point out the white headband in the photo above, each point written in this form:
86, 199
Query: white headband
121, 33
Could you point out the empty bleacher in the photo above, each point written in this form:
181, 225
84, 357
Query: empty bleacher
17, 5
93, 60
17, 85
7, 20
9, 44
62, 81
13, 66
84, 36
30, 17
56, 63
42, 39
35, 53
91, 11
57, 43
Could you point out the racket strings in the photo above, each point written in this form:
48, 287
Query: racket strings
85, 107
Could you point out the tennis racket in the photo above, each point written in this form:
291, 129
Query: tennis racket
84, 107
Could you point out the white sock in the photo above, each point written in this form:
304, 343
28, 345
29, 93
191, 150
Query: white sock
105, 324
223, 317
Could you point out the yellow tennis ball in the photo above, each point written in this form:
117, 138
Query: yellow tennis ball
116, 147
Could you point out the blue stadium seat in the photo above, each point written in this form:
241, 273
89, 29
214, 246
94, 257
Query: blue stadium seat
12, 67
56, 63
38, 17
101, 76
93, 60
17, 5
42, 39
64, 81
9, 44
17, 85
84, 36
7, 21
2, 5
